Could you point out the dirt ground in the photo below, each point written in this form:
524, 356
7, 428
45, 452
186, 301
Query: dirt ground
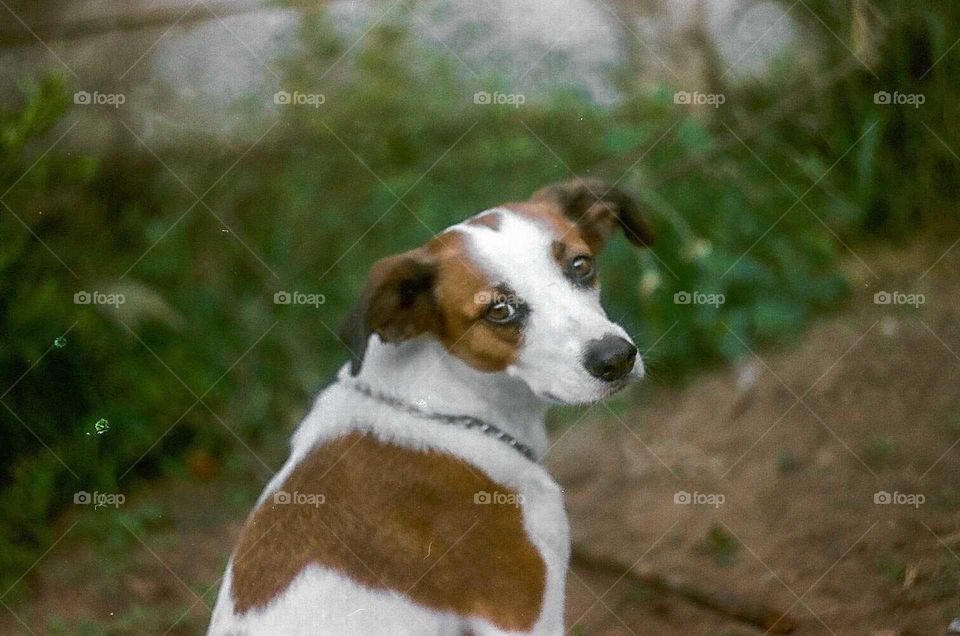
798, 443
764, 483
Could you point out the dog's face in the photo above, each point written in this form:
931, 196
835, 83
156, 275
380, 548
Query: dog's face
516, 290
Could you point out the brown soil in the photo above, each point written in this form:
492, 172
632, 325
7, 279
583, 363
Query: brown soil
798, 529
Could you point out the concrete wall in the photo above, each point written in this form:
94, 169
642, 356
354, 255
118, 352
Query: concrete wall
180, 67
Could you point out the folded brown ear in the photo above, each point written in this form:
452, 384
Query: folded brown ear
397, 303
597, 209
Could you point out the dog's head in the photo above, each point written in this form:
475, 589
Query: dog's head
516, 290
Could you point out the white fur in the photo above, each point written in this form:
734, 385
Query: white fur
563, 317
421, 372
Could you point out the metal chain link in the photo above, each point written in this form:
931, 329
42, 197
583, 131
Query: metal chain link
464, 421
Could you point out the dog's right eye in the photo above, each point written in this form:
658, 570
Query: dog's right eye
502, 312
582, 270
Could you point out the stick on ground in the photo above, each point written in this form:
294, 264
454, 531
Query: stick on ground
743, 610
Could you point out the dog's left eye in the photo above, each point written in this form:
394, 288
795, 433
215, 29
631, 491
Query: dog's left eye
582, 270
502, 312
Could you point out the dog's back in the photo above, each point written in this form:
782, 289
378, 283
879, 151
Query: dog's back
396, 528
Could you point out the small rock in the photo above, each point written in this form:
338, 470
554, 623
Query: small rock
889, 326
954, 626
747, 375
910, 575
143, 588
826, 458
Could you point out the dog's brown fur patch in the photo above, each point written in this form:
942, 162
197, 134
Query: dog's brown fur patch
559, 251
397, 303
460, 287
397, 519
597, 209
487, 219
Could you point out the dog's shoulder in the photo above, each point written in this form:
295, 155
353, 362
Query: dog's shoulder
425, 524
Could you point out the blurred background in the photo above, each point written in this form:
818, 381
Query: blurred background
192, 192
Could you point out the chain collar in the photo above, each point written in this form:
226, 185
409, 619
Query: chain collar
463, 421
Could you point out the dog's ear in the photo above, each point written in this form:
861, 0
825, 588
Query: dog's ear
397, 303
597, 209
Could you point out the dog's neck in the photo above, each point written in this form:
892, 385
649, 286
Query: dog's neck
422, 373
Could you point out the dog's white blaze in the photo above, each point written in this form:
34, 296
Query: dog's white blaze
563, 317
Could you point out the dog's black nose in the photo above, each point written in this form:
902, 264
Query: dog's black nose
609, 358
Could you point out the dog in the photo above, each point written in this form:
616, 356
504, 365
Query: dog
413, 500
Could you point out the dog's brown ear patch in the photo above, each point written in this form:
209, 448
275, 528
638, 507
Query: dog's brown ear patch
397, 303
491, 220
417, 523
597, 209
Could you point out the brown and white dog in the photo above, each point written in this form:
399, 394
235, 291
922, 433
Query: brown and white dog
413, 501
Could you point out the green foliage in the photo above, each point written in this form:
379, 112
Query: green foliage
891, 570
720, 545
398, 151
907, 166
880, 452
785, 461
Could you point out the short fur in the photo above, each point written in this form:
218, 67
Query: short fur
383, 521
431, 540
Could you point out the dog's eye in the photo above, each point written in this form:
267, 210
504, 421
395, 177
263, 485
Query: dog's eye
582, 270
502, 312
